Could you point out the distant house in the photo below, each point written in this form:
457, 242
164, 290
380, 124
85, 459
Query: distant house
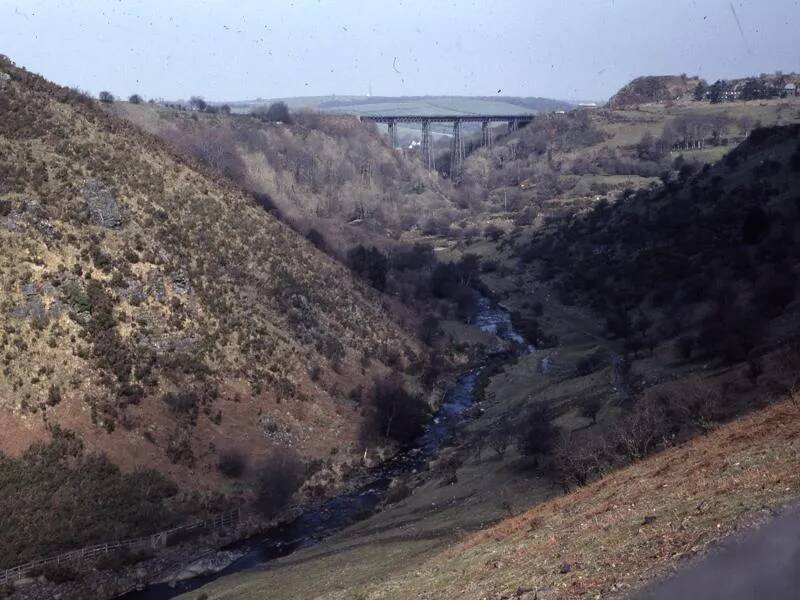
731, 94
790, 89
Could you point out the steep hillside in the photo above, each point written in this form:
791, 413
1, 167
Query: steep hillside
329, 172
159, 313
612, 537
709, 259
654, 89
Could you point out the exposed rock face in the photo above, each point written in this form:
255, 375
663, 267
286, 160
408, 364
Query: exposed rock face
170, 343
180, 281
155, 285
33, 306
102, 205
133, 291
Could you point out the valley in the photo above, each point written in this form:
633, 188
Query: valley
569, 368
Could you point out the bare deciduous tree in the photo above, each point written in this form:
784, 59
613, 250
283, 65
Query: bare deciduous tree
500, 438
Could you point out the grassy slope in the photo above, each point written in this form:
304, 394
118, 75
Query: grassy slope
262, 309
416, 104
699, 493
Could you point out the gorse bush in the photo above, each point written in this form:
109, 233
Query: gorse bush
96, 501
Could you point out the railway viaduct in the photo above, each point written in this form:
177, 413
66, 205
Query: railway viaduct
457, 143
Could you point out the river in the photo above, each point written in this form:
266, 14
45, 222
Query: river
337, 513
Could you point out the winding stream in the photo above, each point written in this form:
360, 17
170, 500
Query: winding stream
337, 513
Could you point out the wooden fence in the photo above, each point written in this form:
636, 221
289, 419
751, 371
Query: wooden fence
156, 541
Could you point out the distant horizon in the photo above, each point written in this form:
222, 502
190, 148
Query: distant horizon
185, 98
498, 96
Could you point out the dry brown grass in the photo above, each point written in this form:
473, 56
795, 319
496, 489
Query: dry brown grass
699, 493
263, 304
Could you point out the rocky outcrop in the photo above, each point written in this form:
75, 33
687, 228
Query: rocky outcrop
180, 281
33, 306
102, 206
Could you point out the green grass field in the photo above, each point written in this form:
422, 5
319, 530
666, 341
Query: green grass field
413, 105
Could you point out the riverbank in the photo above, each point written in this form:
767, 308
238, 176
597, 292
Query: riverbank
467, 487
387, 484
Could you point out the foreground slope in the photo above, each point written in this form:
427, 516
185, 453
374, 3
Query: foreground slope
631, 526
159, 313
608, 538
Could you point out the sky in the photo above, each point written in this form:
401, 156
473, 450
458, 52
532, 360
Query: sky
236, 50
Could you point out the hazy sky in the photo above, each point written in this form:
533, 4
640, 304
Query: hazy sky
227, 50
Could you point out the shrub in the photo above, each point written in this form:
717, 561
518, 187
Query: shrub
264, 201
60, 573
500, 438
395, 414
369, 263
493, 232
536, 433
135, 99
643, 430
232, 464
182, 402
316, 238
113, 505
756, 226
106, 97
590, 364
278, 479
197, 103
278, 112
684, 346
415, 257
429, 329
591, 407
398, 490
122, 557
54, 395
696, 402
532, 331
577, 461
